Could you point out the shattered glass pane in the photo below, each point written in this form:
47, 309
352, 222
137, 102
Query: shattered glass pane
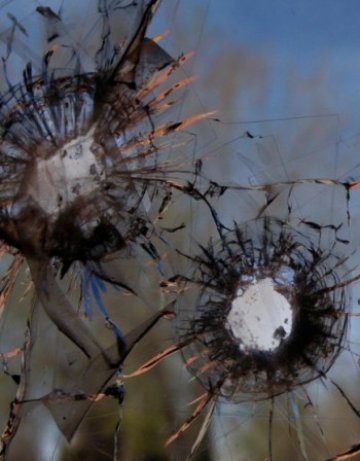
126, 235
265, 152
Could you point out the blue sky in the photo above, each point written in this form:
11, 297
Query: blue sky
305, 24
291, 59
303, 35
294, 58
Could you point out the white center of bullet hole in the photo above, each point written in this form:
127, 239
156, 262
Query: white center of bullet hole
260, 317
72, 171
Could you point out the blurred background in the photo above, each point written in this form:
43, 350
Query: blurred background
283, 78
